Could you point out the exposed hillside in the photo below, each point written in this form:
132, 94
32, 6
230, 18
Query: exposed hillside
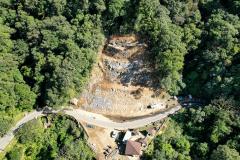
124, 82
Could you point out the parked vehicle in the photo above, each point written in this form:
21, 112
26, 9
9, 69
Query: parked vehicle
90, 126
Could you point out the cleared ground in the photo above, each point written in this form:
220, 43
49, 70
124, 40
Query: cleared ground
123, 82
99, 139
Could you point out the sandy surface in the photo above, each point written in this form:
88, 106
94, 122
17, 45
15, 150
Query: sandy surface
100, 138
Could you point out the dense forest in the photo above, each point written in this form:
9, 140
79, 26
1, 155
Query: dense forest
207, 133
48, 48
54, 137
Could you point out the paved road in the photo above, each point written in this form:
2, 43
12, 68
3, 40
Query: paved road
7, 138
104, 122
90, 118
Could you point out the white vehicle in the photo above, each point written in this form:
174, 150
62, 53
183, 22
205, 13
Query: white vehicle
157, 106
114, 134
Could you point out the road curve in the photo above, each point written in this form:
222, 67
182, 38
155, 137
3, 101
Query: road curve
101, 121
90, 118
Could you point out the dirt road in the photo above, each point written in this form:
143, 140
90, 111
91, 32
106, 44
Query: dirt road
6, 139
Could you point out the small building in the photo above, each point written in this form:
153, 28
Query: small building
133, 148
127, 136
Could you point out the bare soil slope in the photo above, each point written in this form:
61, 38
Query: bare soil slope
123, 82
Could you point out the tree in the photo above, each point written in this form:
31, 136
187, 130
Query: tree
5, 124
16, 154
209, 132
166, 42
31, 132
76, 150
212, 67
233, 6
223, 152
15, 94
62, 139
115, 8
202, 149
182, 11
98, 6
192, 36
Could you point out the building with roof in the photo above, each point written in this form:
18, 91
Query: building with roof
133, 148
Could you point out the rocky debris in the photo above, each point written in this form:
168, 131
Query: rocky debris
143, 78
115, 69
113, 51
125, 43
100, 102
116, 47
137, 93
127, 72
116, 65
120, 48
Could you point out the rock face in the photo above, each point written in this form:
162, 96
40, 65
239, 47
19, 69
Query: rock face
128, 62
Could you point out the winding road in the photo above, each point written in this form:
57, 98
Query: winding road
90, 118
7, 138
